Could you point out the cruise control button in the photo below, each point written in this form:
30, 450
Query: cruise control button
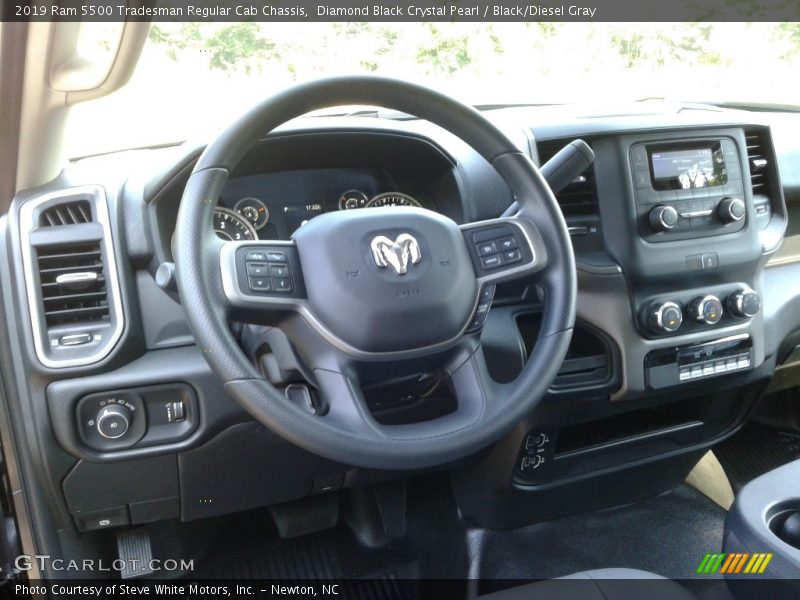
279, 270
487, 248
511, 256
507, 243
281, 284
491, 262
255, 255
487, 293
260, 284
257, 269
275, 255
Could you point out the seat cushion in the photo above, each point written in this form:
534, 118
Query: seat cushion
600, 584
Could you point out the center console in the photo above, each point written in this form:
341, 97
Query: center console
763, 522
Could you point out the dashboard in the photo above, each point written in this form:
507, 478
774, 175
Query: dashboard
688, 301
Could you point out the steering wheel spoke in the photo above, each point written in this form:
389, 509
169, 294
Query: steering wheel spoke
504, 249
261, 275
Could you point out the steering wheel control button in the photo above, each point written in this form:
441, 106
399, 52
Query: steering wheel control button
260, 284
485, 298
281, 284
279, 270
511, 256
497, 246
255, 255
744, 303
487, 248
664, 317
491, 262
257, 269
706, 309
508, 243
113, 421
268, 271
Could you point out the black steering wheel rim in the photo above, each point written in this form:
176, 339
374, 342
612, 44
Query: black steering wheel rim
491, 409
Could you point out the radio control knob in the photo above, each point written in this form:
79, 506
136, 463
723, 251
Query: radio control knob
663, 218
113, 421
744, 303
731, 210
664, 317
706, 309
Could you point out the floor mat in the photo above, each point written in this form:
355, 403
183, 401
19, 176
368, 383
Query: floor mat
667, 535
755, 450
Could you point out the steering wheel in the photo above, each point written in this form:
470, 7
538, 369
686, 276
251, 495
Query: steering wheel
376, 294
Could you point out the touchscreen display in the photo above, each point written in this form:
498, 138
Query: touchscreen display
688, 167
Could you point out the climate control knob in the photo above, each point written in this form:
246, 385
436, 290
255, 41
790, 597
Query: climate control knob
705, 309
731, 210
113, 421
744, 303
664, 317
663, 217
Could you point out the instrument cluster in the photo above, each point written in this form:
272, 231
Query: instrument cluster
251, 218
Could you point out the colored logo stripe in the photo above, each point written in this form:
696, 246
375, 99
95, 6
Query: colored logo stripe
735, 562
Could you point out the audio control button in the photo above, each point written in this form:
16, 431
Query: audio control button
731, 210
663, 217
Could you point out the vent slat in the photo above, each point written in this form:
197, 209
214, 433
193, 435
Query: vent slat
757, 160
66, 213
72, 302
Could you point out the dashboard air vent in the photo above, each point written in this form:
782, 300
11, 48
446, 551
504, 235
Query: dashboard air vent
68, 213
73, 284
579, 198
757, 159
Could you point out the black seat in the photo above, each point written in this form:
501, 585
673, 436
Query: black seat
600, 584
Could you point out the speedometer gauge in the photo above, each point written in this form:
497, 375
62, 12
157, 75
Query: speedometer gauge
230, 225
254, 210
352, 199
392, 199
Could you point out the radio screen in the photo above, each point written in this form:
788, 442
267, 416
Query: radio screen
687, 168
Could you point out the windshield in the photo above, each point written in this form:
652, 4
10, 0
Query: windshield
193, 78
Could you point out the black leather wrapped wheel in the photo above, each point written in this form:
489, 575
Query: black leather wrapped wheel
379, 292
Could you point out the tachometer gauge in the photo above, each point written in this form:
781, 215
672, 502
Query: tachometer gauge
230, 225
392, 199
254, 210
353, 199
